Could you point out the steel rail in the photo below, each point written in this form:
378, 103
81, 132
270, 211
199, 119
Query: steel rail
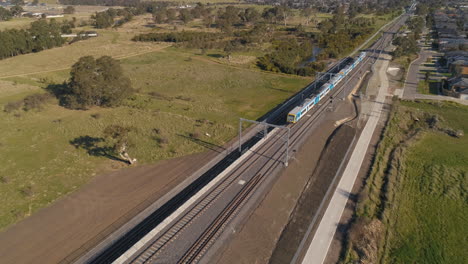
297, 130
337, 91
199, 247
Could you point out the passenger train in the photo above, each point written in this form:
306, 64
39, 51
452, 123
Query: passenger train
299, 111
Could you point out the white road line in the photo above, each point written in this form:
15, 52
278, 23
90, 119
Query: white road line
130, 252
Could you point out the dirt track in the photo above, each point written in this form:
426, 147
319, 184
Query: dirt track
105, 203
313, 194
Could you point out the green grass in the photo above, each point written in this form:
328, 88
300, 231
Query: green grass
17, 23
41, 165
430, 87
109, 43
417, 187
429, 220
178, 92
202, 1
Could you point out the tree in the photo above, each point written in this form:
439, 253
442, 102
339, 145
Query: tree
16, 10
117, 137
308, 13
5, 14
208, 21
45, 35
228, 49
171, 14
284, 13
185, 15
159, 16
103, 20
405, 46
270, 14
35, 2
250, 15
17, 2
98, 82
67, 26
69, 10
421, 9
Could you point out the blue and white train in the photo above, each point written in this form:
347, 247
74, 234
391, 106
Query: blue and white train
299, 111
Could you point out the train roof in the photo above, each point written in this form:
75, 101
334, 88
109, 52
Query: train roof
296, 110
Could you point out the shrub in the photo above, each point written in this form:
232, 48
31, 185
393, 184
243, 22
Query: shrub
35, 101
27, 191
96, 116
195, 135
12, 106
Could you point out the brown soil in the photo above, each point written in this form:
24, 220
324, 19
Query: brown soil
313, 194
86, 216
256, 240
336, 247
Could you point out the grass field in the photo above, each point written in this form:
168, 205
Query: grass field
179, 93
113, 43
417, 188
429, 87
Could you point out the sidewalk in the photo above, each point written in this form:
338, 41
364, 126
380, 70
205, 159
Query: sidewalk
414, 76
318, 248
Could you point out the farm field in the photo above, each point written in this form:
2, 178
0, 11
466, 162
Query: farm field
178, 93
416, 194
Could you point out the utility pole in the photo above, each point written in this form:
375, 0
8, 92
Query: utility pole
264, 126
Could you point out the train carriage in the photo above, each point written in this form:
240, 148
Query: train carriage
299, 111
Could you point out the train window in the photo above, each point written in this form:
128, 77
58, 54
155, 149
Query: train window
290, 118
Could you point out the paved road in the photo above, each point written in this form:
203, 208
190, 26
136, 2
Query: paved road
323, 237
414, 76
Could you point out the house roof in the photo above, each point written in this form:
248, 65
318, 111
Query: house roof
464, 70
459, 81
456, 53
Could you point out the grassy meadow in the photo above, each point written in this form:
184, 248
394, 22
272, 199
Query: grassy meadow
414, 204
178, 92
429, 87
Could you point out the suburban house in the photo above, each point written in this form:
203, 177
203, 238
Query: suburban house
454, 56
457, 87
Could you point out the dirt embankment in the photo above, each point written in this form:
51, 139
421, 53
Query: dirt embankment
313, 193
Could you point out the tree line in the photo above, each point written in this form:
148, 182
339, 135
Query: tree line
291, 56
107, 18
342, 33
227, 19
14, 11
41, 35
101, 2
184, 36
338, 35
407, 45
238, 40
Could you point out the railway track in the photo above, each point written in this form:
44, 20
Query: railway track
150, 252
119, 246
206, 239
